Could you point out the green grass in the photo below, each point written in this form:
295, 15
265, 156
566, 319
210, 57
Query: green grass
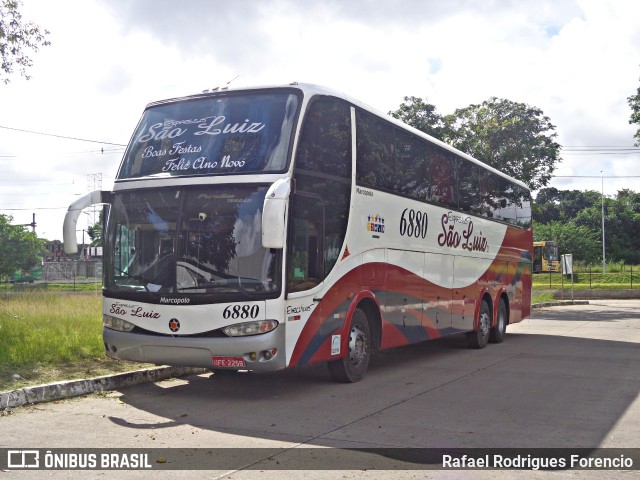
90, 287
586, 280
49, 336
46, 327
542, 296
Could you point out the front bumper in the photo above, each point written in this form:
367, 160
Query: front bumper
197, 351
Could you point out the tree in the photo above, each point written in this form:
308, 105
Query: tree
583, 210
95, 231
547, 206
548, 195
421, 115
512, 137
553, 204
19, 249
16, 38
579, 240
575, 201
634, 103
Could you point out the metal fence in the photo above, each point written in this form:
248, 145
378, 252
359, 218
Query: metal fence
82, 270
627, 279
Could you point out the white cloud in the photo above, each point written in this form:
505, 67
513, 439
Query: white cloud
576, 60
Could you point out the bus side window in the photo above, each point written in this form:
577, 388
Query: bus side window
306, 269
442, 178
376, 162
323, 183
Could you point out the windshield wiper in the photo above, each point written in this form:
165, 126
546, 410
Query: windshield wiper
217, 286
142, 280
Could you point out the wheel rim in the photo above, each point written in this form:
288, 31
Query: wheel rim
484, 324
501, 320
357, 346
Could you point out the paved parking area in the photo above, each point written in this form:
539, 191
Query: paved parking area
568, 377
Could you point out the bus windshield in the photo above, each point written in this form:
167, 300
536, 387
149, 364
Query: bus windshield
197, 240
551, 251
213, 135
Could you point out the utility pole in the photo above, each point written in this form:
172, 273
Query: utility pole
604, 261
94, 182
32, 224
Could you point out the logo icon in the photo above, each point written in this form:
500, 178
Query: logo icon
23, 459
375, 223
174, 325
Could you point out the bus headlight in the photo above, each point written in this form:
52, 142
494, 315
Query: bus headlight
250, 328
115, 323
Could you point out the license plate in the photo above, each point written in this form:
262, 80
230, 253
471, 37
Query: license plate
229, 362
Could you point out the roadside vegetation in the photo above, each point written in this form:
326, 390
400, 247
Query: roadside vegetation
618, 276
51, 336
49, 333
69, 287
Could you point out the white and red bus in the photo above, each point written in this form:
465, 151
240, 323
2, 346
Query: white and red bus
265, 228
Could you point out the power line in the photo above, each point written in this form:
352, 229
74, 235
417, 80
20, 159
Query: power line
28, 209
600, 150
600, 147
61, 136
595, 176
594, 152
41, 183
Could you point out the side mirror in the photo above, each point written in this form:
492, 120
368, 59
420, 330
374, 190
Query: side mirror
274, 213
71, 217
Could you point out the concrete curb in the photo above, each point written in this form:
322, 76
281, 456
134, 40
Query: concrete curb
560, 303
74, 388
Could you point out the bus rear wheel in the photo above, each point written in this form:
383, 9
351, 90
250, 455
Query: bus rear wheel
353, 366
479, 337
498, 332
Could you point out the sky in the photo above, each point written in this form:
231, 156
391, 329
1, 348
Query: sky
576, 60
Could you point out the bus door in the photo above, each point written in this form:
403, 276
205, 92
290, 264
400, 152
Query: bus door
467, 271
437, 295
305, 264
537, 259
373, 274
404, 302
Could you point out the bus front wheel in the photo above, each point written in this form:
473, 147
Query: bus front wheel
479, 337
353, 366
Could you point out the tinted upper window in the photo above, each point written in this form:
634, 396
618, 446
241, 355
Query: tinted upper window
392, 159
325, 138
215, 135
376, 159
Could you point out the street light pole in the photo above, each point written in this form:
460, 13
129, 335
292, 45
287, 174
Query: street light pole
604, 261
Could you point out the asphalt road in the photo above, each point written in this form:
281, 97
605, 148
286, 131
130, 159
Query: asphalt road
567, 377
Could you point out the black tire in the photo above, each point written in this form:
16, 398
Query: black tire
498, 332
479, 337
353, 366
